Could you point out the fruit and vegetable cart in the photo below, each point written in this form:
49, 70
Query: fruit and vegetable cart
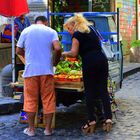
68, 74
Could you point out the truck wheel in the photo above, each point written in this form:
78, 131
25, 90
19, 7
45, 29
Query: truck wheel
6, 78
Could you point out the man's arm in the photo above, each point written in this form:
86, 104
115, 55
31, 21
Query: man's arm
20, 46
57, 52
20, 54
20, 51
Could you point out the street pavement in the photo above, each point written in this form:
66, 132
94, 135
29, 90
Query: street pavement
0, 86
70, 119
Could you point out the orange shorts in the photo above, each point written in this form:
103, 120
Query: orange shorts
43, 85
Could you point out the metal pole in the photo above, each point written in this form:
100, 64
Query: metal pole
13, 52
48, 16
90, 5
119, 46
118, 28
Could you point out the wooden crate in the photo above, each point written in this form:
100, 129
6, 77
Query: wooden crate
40, 121
79, 86
20, 78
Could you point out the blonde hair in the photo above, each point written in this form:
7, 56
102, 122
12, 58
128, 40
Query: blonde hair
79, 22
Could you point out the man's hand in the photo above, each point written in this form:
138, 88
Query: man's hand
20, 53
57, 52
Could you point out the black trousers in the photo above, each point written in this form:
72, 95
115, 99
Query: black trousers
95, 75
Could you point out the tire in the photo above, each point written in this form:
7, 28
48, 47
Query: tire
6, 78
7, 91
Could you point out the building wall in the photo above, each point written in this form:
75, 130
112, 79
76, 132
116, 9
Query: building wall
138, 14
37, 7
84, 5
3, 20
128, 23
101, 5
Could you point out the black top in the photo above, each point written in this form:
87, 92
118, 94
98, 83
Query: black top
88, 42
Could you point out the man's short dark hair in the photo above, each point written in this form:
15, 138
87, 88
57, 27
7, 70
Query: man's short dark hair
41, 18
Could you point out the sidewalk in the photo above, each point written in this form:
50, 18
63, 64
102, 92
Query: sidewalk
130, 68
9, 105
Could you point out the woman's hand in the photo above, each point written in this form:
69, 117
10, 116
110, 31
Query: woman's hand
74, 50
72, 53
67, 54
64, 54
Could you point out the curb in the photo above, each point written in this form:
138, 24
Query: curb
131, 72
10, 108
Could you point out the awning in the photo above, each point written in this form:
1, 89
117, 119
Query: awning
10, 8
13, 8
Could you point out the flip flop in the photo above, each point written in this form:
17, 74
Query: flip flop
47, 133
28, 132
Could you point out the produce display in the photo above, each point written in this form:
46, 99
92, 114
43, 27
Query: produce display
68, 70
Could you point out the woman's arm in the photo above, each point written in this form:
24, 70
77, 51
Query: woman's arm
74, 49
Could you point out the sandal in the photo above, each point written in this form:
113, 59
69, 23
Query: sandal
107, 125
89, 128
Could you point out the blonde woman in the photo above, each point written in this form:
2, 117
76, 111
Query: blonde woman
86, 43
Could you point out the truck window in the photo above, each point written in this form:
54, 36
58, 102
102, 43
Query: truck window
113, 28
112, 24
101, 23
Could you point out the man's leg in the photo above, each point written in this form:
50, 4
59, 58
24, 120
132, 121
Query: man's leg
30, 131
48, 101
48, 121
31, 92
31, 118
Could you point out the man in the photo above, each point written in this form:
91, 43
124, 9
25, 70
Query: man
22, 22
36, 43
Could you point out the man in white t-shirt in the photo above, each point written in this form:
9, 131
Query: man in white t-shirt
36, 44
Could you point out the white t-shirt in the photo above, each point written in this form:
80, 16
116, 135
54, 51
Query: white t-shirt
37, 42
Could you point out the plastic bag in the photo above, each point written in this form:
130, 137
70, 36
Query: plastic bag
106, 48
105, 45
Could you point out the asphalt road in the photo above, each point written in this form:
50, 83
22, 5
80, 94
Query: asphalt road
70, 119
